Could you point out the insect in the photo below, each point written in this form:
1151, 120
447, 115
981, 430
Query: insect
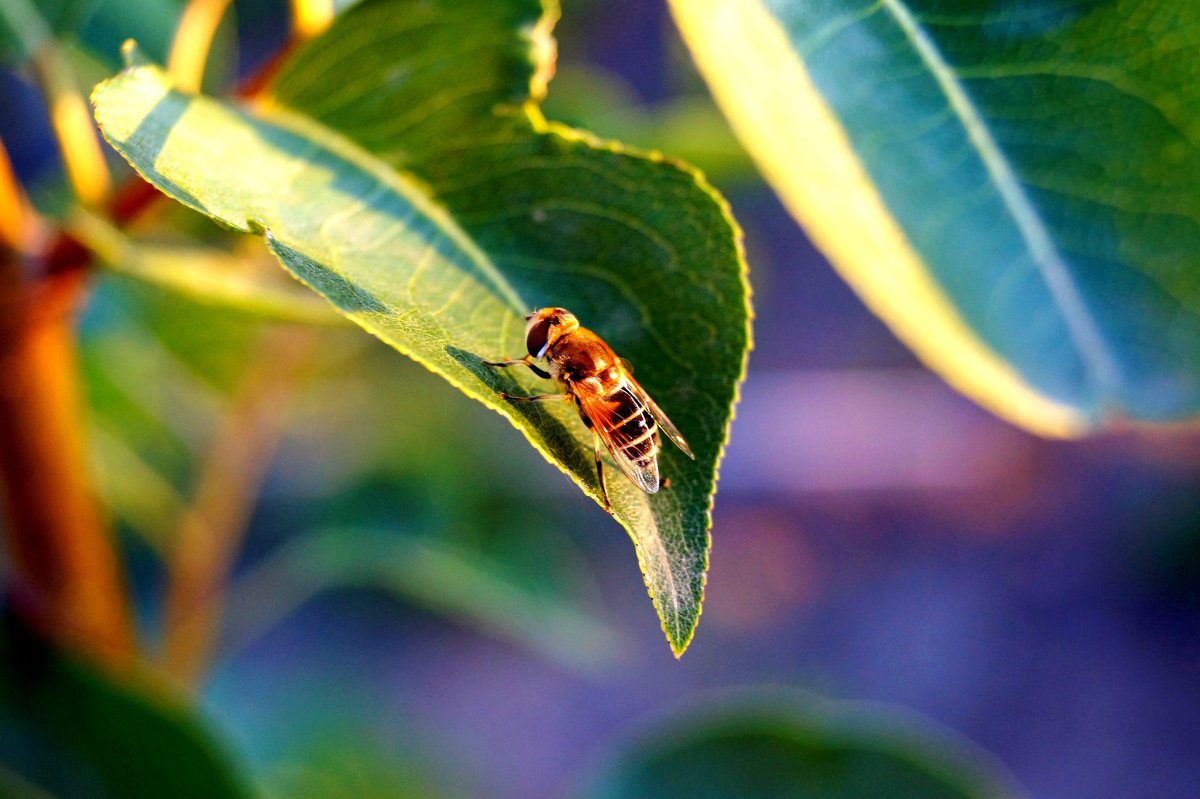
614, 407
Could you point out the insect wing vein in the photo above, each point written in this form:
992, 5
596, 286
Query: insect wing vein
663, 422
608, 419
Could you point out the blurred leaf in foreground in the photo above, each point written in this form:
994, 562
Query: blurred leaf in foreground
72, 731
1010, 186
778, 743
507, 213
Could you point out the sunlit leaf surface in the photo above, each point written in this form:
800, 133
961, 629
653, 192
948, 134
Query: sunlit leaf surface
1010, 186
402, 170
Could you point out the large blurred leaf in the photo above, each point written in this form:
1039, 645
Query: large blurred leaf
775, 744
75, 732
1010, 186
507, 213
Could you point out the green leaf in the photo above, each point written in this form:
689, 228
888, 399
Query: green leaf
73, 731
402, 170
778, 743
1010, 186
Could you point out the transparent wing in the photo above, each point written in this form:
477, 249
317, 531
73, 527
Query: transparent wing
627, 430
663, 422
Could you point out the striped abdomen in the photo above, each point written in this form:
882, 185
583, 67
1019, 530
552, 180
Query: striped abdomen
629, 432
633, 428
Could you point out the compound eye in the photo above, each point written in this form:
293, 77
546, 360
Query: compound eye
537, 336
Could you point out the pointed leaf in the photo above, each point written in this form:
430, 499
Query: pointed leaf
495, 212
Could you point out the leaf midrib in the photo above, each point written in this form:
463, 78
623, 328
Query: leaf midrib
391, 179
1081, 324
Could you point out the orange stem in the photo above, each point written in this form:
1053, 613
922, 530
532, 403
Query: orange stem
19, 223
67, 578
310, 17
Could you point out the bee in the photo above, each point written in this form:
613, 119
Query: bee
614, 407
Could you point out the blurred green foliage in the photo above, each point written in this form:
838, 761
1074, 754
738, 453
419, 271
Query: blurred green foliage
77, 733
778, 743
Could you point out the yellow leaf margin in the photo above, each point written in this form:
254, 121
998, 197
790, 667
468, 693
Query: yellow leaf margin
762, 86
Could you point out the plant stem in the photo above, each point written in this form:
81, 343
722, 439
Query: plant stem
193, 38
67, 579
211, 530
134, 197
20, 225
83, 158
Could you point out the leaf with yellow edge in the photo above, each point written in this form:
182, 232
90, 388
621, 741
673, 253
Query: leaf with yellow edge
401, 169
1010, 186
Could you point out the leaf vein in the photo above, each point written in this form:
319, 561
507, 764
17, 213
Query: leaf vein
1082, 326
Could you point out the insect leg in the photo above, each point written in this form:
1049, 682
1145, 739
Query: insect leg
600, 470
537, 370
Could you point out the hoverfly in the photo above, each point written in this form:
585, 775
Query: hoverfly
614, 407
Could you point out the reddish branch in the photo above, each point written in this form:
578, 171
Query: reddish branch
66, 578
135, 196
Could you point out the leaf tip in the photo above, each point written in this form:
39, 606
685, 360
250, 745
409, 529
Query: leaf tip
680, 643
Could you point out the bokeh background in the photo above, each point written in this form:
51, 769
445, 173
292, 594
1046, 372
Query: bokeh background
424, 607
